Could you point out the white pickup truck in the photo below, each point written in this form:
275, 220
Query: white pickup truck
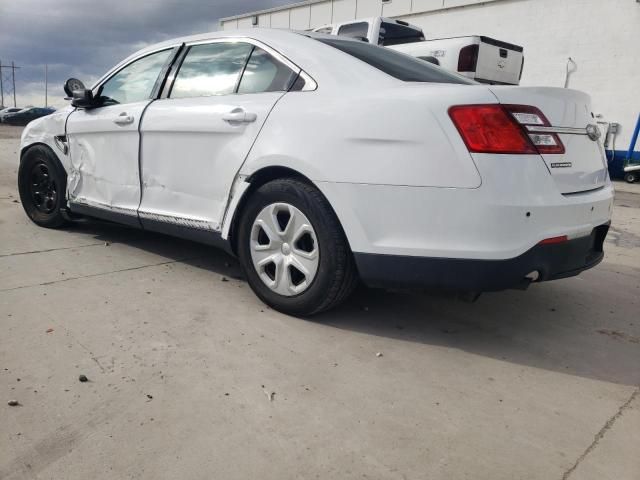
477, 57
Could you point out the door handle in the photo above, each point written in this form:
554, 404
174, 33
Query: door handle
123, 119
238, 115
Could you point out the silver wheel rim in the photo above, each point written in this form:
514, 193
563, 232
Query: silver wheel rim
284, 249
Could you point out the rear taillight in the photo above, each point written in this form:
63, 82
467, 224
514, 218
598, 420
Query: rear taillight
468, 58
490, 129
530, 118
504, 129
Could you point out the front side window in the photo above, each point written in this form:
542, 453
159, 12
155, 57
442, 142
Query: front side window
211, 69
135, 82
264, 73
398, 65
354, 30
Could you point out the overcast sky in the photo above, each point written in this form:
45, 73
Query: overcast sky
84, 38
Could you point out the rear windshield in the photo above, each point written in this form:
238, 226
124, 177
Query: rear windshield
396, 34
354, 30
398, 65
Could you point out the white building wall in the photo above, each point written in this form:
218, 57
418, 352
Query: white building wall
230, 25
264, 21
321, 14
366, 9
280, 19
426, 5
343, 10
395, 8
602, 37
245, 22
300, 18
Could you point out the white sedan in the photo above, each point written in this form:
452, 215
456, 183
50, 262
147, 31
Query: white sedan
321, 161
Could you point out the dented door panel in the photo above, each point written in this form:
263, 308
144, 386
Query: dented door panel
191, 150
103, 145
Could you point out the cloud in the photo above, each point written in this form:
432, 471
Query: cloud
84, 39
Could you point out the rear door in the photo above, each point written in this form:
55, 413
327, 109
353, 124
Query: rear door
583, 165
104, 141
196, 138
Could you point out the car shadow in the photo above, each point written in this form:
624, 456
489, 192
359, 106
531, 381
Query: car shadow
585, 326
176, 249
558, 326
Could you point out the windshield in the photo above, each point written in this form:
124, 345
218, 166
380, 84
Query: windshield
398, 65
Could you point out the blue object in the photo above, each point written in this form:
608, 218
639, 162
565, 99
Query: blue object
617, 161
634, 139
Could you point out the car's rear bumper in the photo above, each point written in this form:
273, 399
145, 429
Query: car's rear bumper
550, 262
503, 219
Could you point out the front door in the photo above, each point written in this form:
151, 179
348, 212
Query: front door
195, 141
104, 142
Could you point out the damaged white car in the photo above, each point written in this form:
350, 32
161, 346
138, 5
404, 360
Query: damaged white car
321, 161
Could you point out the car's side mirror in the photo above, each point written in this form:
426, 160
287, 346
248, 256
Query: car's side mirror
80, 96
71, 85
83, 99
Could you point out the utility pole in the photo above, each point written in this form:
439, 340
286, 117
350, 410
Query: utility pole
1, 87
13, 70
46, 85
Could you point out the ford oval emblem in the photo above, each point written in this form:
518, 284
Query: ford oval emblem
593, 131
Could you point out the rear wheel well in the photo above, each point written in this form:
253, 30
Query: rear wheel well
256, 180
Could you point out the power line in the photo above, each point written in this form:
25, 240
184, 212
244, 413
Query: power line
31, 80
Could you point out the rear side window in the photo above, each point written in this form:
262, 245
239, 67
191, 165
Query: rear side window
264, 73
211, 69
225, 68
398, 65
354, 30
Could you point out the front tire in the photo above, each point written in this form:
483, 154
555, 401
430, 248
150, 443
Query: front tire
42, 184
294, 250
630, 177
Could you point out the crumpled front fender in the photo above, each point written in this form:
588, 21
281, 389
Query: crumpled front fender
44, 130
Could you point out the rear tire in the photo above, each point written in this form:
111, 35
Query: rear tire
42, 183
630, 177
293, 249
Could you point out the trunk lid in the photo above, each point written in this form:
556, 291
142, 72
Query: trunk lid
583, 166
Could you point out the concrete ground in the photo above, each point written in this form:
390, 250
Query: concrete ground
191, 377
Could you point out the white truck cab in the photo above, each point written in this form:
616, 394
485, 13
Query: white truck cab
477, 57
377, 30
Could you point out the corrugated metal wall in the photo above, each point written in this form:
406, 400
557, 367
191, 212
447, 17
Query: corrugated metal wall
317, 13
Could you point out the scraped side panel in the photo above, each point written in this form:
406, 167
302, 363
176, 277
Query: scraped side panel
104, 169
